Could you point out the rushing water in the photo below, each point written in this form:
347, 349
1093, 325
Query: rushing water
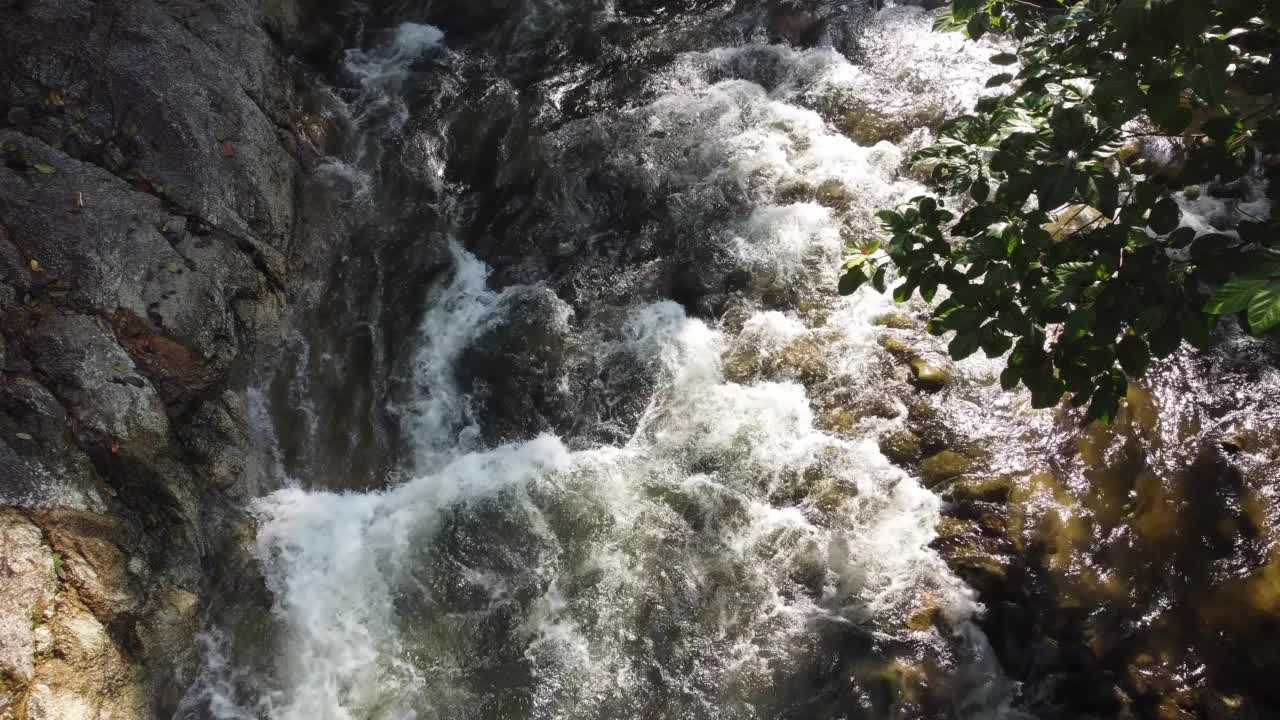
616, 497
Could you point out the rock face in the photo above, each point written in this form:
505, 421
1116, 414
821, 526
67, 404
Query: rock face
1110, 559
155, 160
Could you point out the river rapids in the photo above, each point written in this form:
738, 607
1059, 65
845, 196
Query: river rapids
628, 438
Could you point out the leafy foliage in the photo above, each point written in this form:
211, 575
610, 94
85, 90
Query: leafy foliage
1060, 246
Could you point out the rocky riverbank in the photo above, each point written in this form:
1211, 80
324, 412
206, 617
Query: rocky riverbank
160, 211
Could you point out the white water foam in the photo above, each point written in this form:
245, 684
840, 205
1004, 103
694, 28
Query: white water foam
337, 563
382, 71
687, 572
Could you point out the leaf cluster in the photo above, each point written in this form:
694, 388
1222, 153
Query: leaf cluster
1058, 246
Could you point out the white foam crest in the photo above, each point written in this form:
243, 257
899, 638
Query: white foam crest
1205, 213
333, 561
388, 65
382, 71
790, 245
742, 139
440, 420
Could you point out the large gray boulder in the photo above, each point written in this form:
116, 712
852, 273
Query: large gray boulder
153, 163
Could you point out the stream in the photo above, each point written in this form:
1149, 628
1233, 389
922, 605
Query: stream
588, 433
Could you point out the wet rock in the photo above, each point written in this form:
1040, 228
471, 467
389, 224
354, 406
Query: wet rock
901, 447
897, 347
1219, 706
47, 470
82, 357
929, 377
218, 429
514, 369
833, 194
991, 518
147, 208
795, 192
985, 571
943, 466
868, 126
1071, 220
27, 591
170, 107
973, 490
896, 321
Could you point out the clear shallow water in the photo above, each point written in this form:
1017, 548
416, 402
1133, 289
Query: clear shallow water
621, 494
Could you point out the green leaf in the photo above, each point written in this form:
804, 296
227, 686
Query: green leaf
994, 342
1104, 193
1166, 339
877, 280
1105, 404
1078, 323
1131, 17
964, 344
1134, 355
1058, 23
1165, 216
1069, 126
978, 25
947, 22
1234, 296
1004, 58
1010, 378
852, 280
980, 190
892, 220
1056, 187
1047, 394
1075, 273
1182, 237
964, 9
1222, 127
45, 169
1197, 329
903, 292
1264, 310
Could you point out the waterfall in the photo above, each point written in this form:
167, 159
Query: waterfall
616, 505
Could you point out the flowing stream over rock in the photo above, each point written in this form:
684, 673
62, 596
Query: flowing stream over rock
633, 466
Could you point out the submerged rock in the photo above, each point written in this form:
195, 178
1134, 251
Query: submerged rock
901, 447
943, 466
929, 377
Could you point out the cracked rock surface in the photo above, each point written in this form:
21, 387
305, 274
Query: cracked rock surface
154, 159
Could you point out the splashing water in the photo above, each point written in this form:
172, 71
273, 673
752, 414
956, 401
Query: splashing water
726, 558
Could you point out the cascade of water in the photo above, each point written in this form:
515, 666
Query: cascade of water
723, 558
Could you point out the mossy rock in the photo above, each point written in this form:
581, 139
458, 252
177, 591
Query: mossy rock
992, 519
901, 447
927, 376
805, 359
896, 346
840, 420
971, 490
953, 532
986, 572
943, 466
925, 618
833, 194
896, 321
794, 192
867, 127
